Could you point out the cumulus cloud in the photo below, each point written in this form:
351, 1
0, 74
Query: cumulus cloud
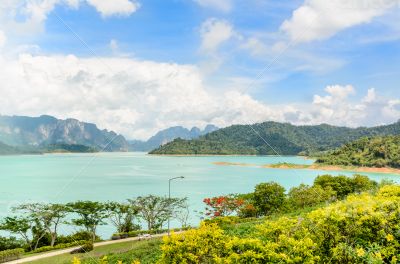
138, 98
115, 7
320, 19
221, 5
27, 17
214, 33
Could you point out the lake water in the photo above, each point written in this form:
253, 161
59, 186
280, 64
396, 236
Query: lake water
119, 176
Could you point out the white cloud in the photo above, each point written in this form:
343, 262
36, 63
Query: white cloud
138, 98
214, 33
3, 39
221, 5
28, 17
256, 47
370, 97
321, 19
115, 7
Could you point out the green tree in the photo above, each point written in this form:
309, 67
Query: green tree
363, 183
305, 195
269, 197
47, 216
122, 216
341, 184
156, 210
19, 225
91, 215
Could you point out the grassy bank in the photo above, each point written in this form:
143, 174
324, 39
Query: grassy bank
147, 252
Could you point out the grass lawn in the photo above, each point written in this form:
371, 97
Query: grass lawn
145, 251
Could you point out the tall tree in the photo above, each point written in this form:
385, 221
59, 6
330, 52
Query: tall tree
156, 210
19, 225
47, 216
122, 216
91, 215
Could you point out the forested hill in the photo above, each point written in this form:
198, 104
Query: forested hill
366, 152
285, 138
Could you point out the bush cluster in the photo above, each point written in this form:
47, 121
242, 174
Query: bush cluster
361, 229
59, 246
271, 198
142, 232
11, 254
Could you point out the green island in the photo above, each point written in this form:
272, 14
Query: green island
43, 149
282, 138
337, 219
376, 154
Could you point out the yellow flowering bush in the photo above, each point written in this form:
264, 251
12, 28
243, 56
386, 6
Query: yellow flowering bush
203, 245
361, 229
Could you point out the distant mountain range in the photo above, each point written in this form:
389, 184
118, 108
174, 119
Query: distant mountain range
167, 135
272, 138
33, 134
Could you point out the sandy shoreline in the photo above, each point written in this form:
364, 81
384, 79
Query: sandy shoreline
315, 167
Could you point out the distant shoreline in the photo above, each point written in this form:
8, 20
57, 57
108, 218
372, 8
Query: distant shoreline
316, 167
222, 155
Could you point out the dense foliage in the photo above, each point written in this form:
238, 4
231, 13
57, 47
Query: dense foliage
10, 254
367, 152
271, 198
37, 224
361, 229
285, 139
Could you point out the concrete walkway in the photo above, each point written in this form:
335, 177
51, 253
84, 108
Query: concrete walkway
68, 250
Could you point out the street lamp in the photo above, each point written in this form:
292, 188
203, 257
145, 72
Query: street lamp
169, 196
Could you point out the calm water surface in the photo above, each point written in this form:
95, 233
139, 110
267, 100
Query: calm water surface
119, 176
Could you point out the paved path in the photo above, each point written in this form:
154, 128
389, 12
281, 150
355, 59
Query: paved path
68, 250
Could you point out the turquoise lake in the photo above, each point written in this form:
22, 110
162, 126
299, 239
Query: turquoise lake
119, 176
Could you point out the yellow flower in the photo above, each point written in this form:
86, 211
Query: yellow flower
360, 252
390, 237
119, 262
394, 259
136, 262
104, 260
378, 255
76, 261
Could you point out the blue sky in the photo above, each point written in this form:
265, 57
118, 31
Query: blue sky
237, 61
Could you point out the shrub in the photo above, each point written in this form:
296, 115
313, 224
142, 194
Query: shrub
78, 236
203, 245
389, 191
142, 232
59, 246
361, 229
363, 183
11, 243
248, 210
341, 184
87, 247
11, 254
304, 195
269, 197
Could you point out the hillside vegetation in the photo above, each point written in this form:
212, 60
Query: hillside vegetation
361, 229
366, 152
283, 139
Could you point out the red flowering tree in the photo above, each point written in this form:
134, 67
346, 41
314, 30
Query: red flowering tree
222, 205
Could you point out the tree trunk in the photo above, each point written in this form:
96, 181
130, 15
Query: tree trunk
93, 235
53, 239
